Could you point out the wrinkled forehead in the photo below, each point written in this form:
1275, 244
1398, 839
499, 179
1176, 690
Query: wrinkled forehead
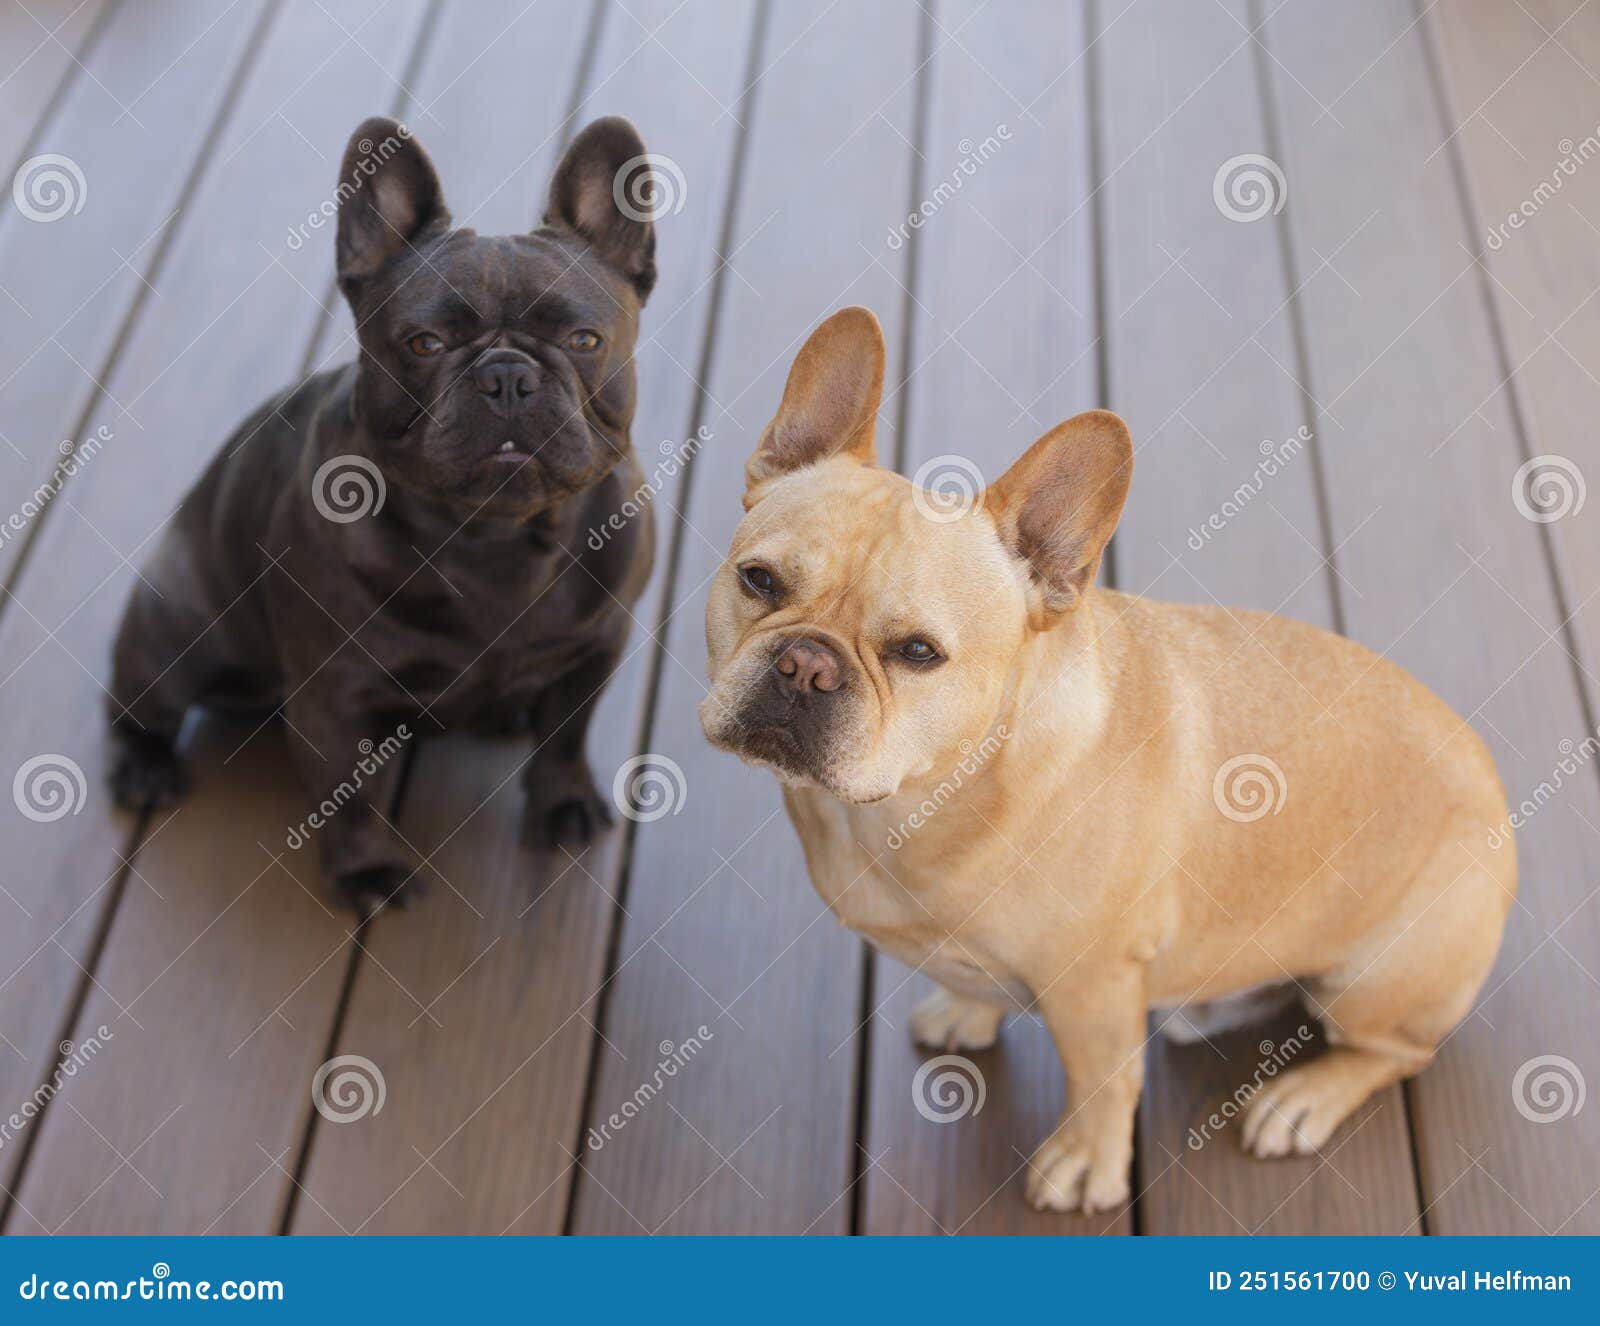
858, 546
506, 280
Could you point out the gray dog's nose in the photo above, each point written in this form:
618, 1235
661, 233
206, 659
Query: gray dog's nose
505, 378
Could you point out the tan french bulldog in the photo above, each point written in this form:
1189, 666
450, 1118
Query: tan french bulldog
1055, 797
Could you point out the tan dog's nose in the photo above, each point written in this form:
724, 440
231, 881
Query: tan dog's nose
807, 665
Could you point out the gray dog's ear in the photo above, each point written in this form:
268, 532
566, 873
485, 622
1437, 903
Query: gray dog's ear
605, 189
830, 402
1058, 505
389, 195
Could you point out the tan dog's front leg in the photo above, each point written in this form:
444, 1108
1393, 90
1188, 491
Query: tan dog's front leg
1097, 1020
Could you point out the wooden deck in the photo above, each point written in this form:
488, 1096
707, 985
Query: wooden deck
1083, 260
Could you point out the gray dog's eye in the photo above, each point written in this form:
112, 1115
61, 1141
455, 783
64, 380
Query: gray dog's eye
918, 651
584, 341
425, 344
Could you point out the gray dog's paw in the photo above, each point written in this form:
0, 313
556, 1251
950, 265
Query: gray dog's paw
146, 773
565, 811
367, 892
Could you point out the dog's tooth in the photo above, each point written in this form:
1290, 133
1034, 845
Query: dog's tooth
507, 445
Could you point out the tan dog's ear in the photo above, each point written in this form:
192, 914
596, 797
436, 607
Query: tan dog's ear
1057, 506
830, 403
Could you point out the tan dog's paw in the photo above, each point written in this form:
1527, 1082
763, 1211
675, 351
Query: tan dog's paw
1293, 1116
1070, 1172
1297, 1113
945, 1021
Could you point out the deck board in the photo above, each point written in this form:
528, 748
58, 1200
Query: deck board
70, 282
1203, 365
1542, 277
42, 43
512, 986
392, 1171
723, 928
1004, 278
1515, 76
211, 1089
56, 875
1444, 577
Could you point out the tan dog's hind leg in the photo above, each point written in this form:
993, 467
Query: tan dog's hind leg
1098, 1026
1298, 1112
1392, 1002
948, 1021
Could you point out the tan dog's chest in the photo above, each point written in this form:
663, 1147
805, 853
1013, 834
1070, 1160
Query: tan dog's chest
901, 910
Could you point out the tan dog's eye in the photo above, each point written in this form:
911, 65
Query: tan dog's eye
918, 651
584, 341
759, 580
425, 344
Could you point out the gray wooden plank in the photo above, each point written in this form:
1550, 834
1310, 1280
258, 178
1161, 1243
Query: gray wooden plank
1003, 347
39, 47
1223, 509
490, 1086
54, 874
1521, 79
220, 969
131, 125
1444, 576
723, 928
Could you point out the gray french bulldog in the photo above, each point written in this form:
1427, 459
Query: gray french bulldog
404, 543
